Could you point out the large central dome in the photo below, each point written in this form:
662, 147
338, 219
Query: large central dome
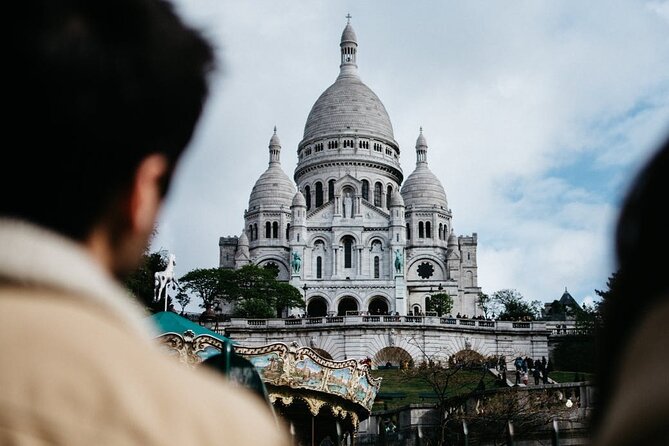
348, 105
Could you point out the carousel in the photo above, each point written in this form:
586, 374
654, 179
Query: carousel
322, 400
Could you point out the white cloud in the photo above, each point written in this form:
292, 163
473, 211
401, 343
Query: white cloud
536, 114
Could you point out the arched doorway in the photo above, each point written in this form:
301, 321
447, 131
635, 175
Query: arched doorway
391, 357
347, 304
317, 307
378, 305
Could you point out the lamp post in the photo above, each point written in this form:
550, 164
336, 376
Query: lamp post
305, 287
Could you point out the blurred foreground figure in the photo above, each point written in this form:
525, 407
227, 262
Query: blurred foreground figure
633, 389
103, 97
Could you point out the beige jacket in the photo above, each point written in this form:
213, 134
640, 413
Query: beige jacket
639, 410
79, 364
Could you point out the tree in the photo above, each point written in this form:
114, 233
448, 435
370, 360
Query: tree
452, 380
208, 284
442, 303
490, 307
259, 294
591, 318
140, 283
613, 285
287, 297
528, 410
514, 306
255, 291
183, 299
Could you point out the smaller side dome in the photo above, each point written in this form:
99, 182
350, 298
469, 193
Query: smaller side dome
396, 199
273, 188
299, 200
422, 189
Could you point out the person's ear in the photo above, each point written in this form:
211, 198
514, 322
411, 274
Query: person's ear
146, 196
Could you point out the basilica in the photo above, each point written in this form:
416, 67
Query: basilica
349, 230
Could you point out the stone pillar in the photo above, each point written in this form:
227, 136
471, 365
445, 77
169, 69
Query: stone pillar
400, 295
335, 261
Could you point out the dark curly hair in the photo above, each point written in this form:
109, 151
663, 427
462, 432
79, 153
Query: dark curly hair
94, 87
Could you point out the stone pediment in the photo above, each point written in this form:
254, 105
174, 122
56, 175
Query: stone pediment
322, 213
453, 254
373, 213
348, 179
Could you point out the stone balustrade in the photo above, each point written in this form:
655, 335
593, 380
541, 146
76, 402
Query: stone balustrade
344, 321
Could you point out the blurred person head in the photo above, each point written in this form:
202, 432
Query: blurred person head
103, 98
639, 286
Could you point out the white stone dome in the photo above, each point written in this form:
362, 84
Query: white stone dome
299, 200
422, 188
348, 106
396, 199
273, 188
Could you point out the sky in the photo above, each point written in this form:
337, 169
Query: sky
537, 115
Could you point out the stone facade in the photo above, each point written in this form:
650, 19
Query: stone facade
363, 238
396, 339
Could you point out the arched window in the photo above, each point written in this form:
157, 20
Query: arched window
268, 230
389, 193
365, 189
319, 267
319, 194
307, 196
275, 230
377, 265
255, 231
250, 235
408, 231
348, 252
288, 231
441, 233
421, 234
428, 229
331, 190
377, 194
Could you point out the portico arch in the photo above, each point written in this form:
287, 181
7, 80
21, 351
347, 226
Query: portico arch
317, 307
378, 305
347, 303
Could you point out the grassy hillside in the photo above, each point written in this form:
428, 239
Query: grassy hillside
398, 389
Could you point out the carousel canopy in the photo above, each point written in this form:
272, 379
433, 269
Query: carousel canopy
170, 322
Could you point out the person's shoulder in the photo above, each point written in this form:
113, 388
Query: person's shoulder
72, 366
